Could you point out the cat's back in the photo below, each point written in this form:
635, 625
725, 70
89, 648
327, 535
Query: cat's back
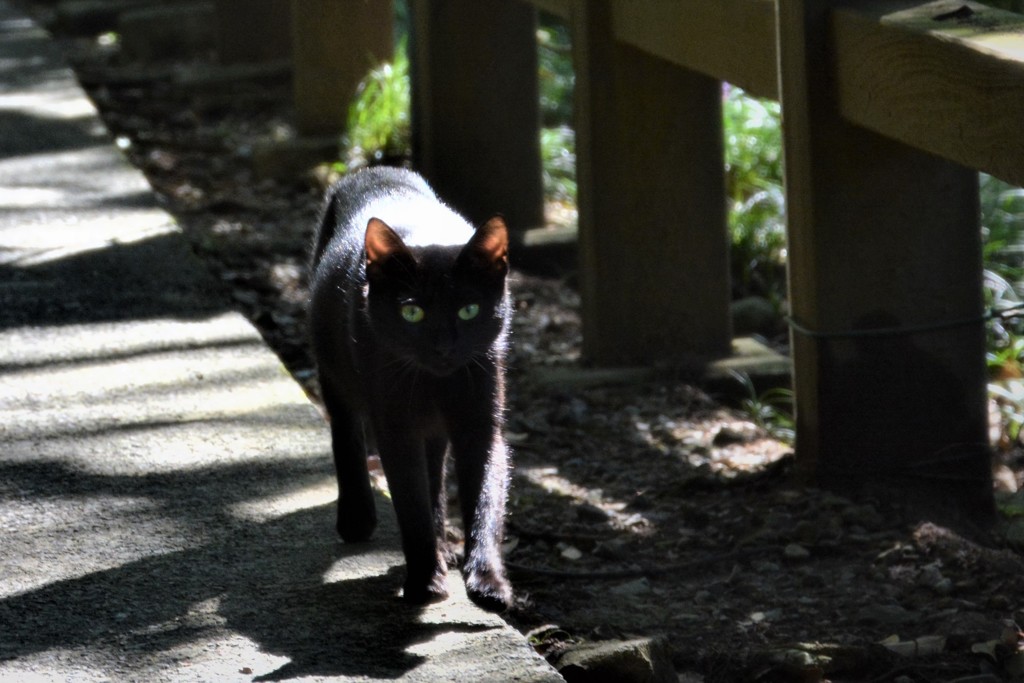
399, 197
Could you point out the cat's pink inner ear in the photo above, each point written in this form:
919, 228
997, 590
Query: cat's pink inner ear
381, 241
491, 241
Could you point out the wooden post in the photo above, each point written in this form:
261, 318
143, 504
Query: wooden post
885, 285
253, 30
476, 113
335, 43
652, 208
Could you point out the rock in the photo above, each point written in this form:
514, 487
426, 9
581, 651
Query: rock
931, 577
754, 315
646, 660
571, 553
925, 646
796, 552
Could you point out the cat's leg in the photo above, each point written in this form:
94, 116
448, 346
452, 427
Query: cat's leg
404, 460
357, 512
437, 457
481, 466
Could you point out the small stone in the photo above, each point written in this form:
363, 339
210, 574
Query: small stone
766, 567
571, 553
796, 552
931, 577
703, 597
646, 660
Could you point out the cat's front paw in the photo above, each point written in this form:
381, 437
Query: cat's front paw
356, 523
418, 592
489, 589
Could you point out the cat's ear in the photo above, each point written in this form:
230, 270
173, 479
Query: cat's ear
382, 245
487, 250
381, 242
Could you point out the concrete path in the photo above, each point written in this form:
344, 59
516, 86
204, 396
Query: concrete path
166, 490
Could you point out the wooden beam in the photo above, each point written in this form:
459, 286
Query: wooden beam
559, 8
335, 43
476, 111
730, 40
652, 232
885, 284
253, 30
946, 77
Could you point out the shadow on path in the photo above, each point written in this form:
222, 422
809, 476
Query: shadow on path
272, 582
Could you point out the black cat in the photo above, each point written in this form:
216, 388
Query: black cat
409, 316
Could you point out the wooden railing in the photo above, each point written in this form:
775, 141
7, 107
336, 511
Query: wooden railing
889, 109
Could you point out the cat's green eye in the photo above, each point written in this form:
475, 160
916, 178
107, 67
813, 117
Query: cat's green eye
469, 311
411, 313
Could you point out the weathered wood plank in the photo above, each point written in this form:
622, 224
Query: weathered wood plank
335, 43
652, 237
559, 8
731, 40
941, 78
476, 112
253, 30
881, 237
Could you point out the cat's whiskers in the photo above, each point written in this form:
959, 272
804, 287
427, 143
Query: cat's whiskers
399, 366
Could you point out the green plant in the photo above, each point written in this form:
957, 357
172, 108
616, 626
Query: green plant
378, 126
558, 157
771, 410
1002, 219
555, 75
753, 175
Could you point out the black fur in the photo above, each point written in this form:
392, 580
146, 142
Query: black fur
417, 386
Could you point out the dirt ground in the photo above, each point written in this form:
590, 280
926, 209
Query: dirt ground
636, 509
